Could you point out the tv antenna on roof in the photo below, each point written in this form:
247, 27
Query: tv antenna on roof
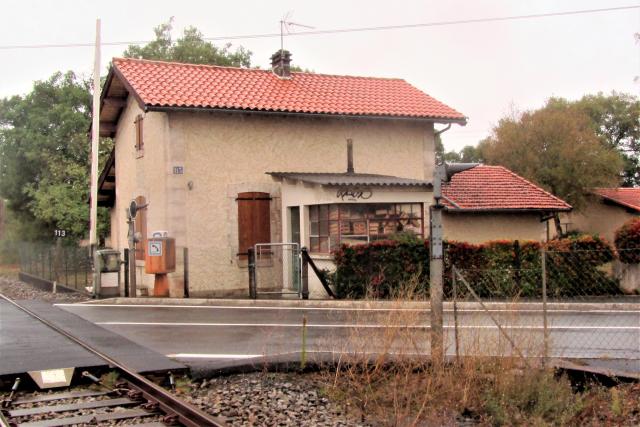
287, 26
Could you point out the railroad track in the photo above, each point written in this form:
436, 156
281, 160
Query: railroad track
133, 400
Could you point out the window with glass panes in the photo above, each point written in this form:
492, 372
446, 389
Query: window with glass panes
333, 225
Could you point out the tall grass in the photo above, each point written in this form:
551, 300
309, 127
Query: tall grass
386, 376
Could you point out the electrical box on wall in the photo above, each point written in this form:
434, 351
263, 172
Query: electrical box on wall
160, 256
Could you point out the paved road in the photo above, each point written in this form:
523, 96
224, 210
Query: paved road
22, 335
222, 332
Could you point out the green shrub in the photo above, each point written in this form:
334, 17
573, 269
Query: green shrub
504, 269
627, 240
380, 269
576, 266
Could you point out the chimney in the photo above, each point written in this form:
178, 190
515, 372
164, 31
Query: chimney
350, 156
281, 64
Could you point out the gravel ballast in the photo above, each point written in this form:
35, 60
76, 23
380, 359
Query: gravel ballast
15, 289
268, 399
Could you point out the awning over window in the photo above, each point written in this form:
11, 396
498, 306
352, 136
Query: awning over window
349, 179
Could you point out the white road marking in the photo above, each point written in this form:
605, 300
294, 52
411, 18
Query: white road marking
227, 307
212, 356
362, 326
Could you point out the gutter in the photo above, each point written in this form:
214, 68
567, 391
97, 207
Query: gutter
461, 122
515, 210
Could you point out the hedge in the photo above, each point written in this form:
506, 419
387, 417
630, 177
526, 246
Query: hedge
627, 240
496, 269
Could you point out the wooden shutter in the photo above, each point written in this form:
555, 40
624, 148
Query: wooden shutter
141, 226
254, 221
139, 135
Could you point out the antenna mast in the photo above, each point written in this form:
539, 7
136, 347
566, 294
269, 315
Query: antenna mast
287, 26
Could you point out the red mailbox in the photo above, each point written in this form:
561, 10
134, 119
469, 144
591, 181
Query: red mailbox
160, 259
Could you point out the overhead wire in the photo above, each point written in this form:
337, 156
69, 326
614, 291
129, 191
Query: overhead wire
339, 30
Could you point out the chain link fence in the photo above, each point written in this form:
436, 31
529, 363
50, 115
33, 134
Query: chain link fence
559, 304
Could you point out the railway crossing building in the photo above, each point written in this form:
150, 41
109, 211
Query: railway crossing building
226, 158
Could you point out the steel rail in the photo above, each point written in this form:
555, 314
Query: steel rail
187, 414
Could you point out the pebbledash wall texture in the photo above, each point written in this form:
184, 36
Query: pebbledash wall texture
223, 154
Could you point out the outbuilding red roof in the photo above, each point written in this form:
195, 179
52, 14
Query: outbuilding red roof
495, 188
627, 197
170, 84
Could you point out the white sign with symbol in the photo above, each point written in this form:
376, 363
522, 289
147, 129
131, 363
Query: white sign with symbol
155, 248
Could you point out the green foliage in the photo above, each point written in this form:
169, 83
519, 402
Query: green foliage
190, 48
615, 118
576, 267
380, 269
468, 154
627, 241
537, 398
44, 157
557, 149
503, 269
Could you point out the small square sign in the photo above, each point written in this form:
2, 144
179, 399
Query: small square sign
155, 248
178, 170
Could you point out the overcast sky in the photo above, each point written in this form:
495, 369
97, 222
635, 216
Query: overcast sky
483, 70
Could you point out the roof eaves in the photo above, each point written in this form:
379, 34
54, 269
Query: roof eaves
620, 202
129, 88
178, 108
511, 210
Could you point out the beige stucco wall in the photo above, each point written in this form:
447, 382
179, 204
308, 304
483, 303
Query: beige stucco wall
229, 153
598, 218
482, 227
141, 173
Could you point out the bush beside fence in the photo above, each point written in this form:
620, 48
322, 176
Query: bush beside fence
575, 266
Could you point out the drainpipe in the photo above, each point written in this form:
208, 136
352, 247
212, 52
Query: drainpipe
438, 132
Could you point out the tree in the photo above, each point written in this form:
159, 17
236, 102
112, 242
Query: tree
190, 48
468, 154
44, 157
616, 120
556, 148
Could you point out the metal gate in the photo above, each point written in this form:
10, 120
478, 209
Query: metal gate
274, 269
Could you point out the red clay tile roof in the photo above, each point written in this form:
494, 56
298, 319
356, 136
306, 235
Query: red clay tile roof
495, 188
170, 84
627, 197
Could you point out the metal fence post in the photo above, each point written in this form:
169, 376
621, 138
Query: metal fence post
543, 259
125, 261
251, 258
185, 255
304, 274
454, 285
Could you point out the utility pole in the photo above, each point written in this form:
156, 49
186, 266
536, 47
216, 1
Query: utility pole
95, 136
442, 173
436, 267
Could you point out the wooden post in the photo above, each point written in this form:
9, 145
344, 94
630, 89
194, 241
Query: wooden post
251, 258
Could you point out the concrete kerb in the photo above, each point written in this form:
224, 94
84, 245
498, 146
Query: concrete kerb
319, 360
632, 304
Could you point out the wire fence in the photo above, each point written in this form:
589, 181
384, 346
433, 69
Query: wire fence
563, 305
70, 266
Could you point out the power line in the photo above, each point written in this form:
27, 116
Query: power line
340, 30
